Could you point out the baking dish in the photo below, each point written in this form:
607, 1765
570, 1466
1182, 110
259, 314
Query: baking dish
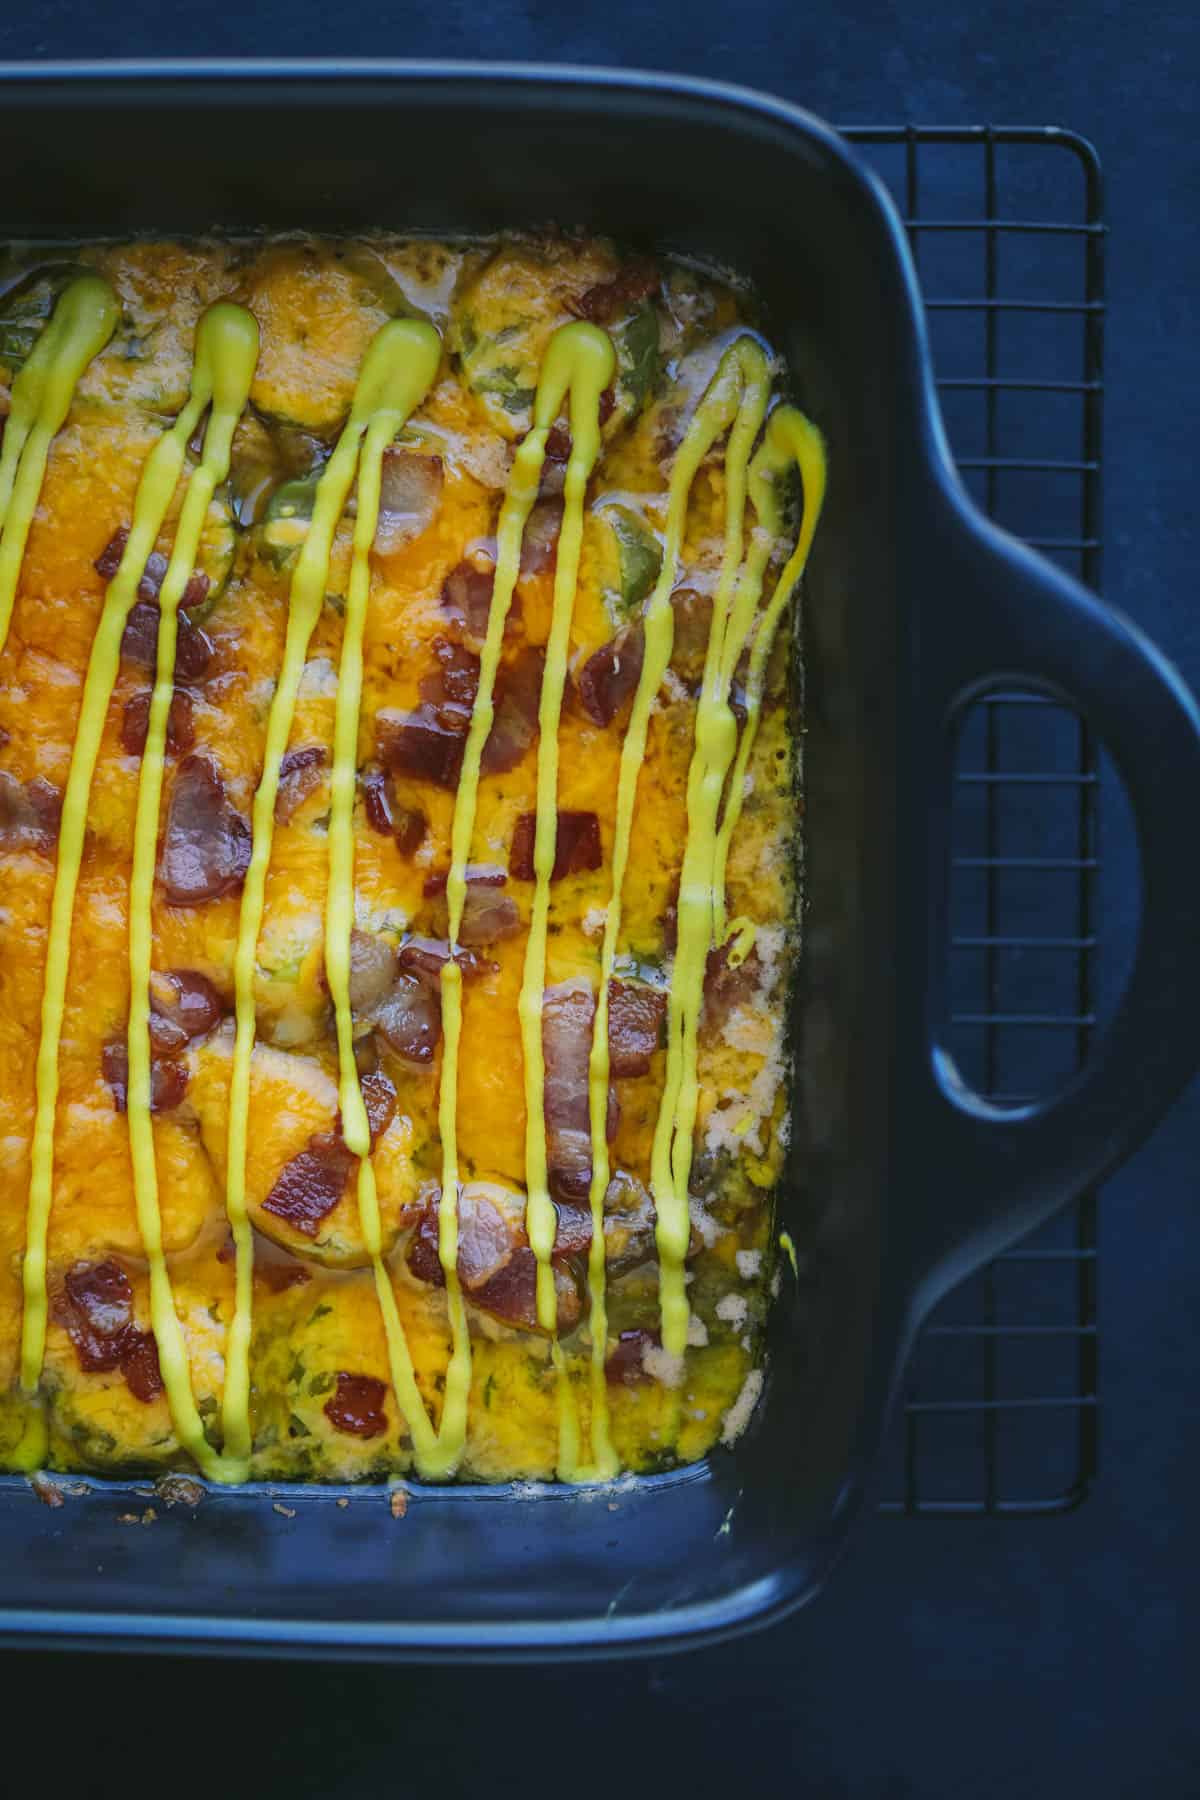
902, 1181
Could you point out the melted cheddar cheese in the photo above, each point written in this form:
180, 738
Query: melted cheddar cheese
398, 829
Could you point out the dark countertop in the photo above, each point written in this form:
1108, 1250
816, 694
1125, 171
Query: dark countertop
960, 1658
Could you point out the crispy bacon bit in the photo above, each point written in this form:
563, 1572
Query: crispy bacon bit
151, 580
488, 916
183, 1005
567, 1013
379, 1098
576, 845
95, 1309
357, 1406
47, 1491
608, 403
693, 623
139, 1365
411, 1019
311, 1184
406, 824
573, 1235
477, 875
467, 593
518, 696
29, 813
135, 722
635, 1013
625, 1366
139, 643
554, 468
410, 492
372, 971
301, 773
487, 1240
449, 692
726, 986
206, 844
495, 1264
168, 1078
608, 300
425, 956
539, 546
610, 674
415, 743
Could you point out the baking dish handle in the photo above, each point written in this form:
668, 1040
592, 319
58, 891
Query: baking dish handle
1003, 615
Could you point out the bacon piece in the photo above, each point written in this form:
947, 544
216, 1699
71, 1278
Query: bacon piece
487, 1240
417, 744
495, 1264
356, 1407
467, 593
135, 722
151, 579
451, 689
424, 956
567, 1013
139, 642
140, 1367
624, 1366
576, 845
410, 492
518, 696
726, 986
385, 815
168, 1078
635, 1014
96, 1311
411, 1019
487, 916
183, 1005
311, 1184
636, 281
300, 775
372, 972
608, 404
379, 1098
29, 813
206, 844
610, 674
539, 545
554, 467
693, 623
573, 1234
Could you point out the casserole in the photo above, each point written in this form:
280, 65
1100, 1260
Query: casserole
902, 1180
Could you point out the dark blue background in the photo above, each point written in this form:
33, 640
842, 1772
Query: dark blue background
979, 1659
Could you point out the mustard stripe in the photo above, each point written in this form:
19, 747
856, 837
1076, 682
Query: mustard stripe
225, 356
790, 438
713, 751
404, 358
307, 596
714, 414
81, 325
155, 490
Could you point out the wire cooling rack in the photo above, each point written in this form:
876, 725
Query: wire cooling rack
1007, 229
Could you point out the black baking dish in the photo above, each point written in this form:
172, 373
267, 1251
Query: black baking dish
902, 1181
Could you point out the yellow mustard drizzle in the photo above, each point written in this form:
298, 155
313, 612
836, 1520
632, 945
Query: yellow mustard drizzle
790, 438
716, 412
156, 489
400, 367
579, 362
383, 374
713, 751
80, 326
225, 356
